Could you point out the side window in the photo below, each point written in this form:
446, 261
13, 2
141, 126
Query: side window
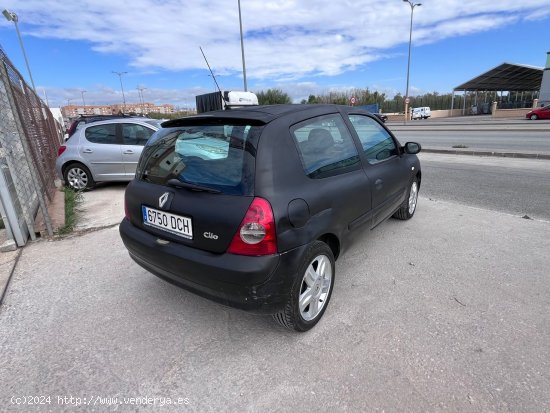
104, 134
133, 134
325, 146
377, 143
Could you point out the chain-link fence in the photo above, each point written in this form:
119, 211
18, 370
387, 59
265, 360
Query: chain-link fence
29, 139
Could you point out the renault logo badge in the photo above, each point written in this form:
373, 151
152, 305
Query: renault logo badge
163, 198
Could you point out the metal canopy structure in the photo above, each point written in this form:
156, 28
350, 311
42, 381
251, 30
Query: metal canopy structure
506, 76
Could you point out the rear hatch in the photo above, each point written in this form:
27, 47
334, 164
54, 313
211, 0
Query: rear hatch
195, 182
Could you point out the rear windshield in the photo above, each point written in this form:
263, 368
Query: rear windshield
219, 156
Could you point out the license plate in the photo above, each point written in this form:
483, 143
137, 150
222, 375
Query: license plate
175, 224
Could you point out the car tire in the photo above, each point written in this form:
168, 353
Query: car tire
78, 177
408, 207
311, 290
534, 117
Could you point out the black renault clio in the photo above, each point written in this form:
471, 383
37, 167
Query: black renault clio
251, 207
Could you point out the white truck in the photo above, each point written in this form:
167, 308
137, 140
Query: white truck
423, 112
224, 100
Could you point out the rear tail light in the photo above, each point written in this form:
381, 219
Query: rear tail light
256, 235
61, 149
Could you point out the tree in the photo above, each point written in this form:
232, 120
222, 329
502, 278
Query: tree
312, 99
273, 97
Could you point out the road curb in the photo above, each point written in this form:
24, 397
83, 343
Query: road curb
7, 270
545, 156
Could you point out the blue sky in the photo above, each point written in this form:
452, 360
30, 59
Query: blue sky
300, 46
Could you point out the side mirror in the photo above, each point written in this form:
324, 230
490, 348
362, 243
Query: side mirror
412, 148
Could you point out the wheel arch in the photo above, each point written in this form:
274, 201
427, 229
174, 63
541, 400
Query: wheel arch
77, 162
419, 178
333, 242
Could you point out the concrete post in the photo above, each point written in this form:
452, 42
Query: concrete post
452, 103
535, 103
494, 109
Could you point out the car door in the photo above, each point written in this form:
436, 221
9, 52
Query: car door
337, 184
100, 149
545, 112
388, 172
134, 138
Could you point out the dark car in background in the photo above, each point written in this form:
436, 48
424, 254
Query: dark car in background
251, 207
383, 118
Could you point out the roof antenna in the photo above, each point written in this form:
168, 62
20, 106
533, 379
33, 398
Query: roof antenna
212, 73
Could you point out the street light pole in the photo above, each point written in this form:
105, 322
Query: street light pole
139, 96
140, 90
413, 5
83, 102
242, 47
121, 88
10, 16
46, 97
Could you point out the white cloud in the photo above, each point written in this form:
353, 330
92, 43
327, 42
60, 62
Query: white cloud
103, 95
284, 39
540, 14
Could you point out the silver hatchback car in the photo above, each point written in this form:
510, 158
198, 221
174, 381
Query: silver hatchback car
101, 151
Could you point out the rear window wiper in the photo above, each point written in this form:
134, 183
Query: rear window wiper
194, 187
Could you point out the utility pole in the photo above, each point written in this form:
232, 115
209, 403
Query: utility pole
242, 47
10, 16
119, 74
83, 102
46, 97
140, 90
413, 5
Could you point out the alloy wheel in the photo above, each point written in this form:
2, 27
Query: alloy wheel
78, 178
315, 287
413, 197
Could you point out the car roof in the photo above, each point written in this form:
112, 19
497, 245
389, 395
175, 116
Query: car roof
122, 120
261, 114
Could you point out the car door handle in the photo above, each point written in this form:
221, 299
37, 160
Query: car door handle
87, 150
128, 152
378, 183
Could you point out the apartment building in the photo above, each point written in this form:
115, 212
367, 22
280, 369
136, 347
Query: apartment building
72, 111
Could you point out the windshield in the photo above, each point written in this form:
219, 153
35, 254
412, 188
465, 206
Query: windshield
220, 157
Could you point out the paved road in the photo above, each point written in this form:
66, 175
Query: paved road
475, 121
531, 141
482, 133
516, 186
448, 311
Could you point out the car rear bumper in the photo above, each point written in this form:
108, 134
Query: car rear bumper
257, 284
